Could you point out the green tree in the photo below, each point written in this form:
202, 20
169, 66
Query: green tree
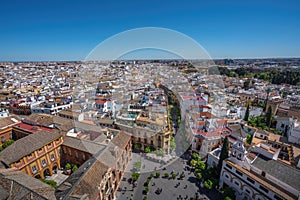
49, 182
247, 84
263, 76
247, 113
160, 152
166, 175
147, 150
174, 176
228, 193
251, 121
138, 165
210, 172
146, 189
196, 157
268, 90
200, 165
68, 166
173, 143
74, 168
269, 117
193, 163
135, 176
7, 143
249, 139
157, 175
223, 155
262, 105
191, 65
208, 184
147, 182
232, 74
182, 175
241, 71
198, 174
137, 146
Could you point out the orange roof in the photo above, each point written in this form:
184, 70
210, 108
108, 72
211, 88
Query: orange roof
200, 122
206, 114
100, 101
31, 128
222, 122
217, 132
88, 122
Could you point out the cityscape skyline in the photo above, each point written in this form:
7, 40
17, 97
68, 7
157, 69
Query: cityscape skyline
138, 100
61, 31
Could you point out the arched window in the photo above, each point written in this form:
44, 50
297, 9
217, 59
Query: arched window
237, 183
234, 153
239, 156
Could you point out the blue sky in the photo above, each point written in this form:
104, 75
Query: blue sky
69, 30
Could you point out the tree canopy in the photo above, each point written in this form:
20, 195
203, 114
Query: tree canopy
173, 143
196, 157
198, 174
247, 84
6, 144
273, 75
208, 184
49, 182
193, 163
135, 176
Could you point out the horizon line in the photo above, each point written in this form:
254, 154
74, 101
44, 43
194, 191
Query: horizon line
150, 59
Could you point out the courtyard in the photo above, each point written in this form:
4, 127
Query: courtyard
58, 177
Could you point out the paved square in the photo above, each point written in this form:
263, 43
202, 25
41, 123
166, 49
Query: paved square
187, 188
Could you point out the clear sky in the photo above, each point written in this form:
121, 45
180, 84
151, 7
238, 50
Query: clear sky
69, 30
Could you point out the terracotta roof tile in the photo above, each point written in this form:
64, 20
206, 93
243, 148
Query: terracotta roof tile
9, 121
83, 145
25, 186
121, 139
26, 146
